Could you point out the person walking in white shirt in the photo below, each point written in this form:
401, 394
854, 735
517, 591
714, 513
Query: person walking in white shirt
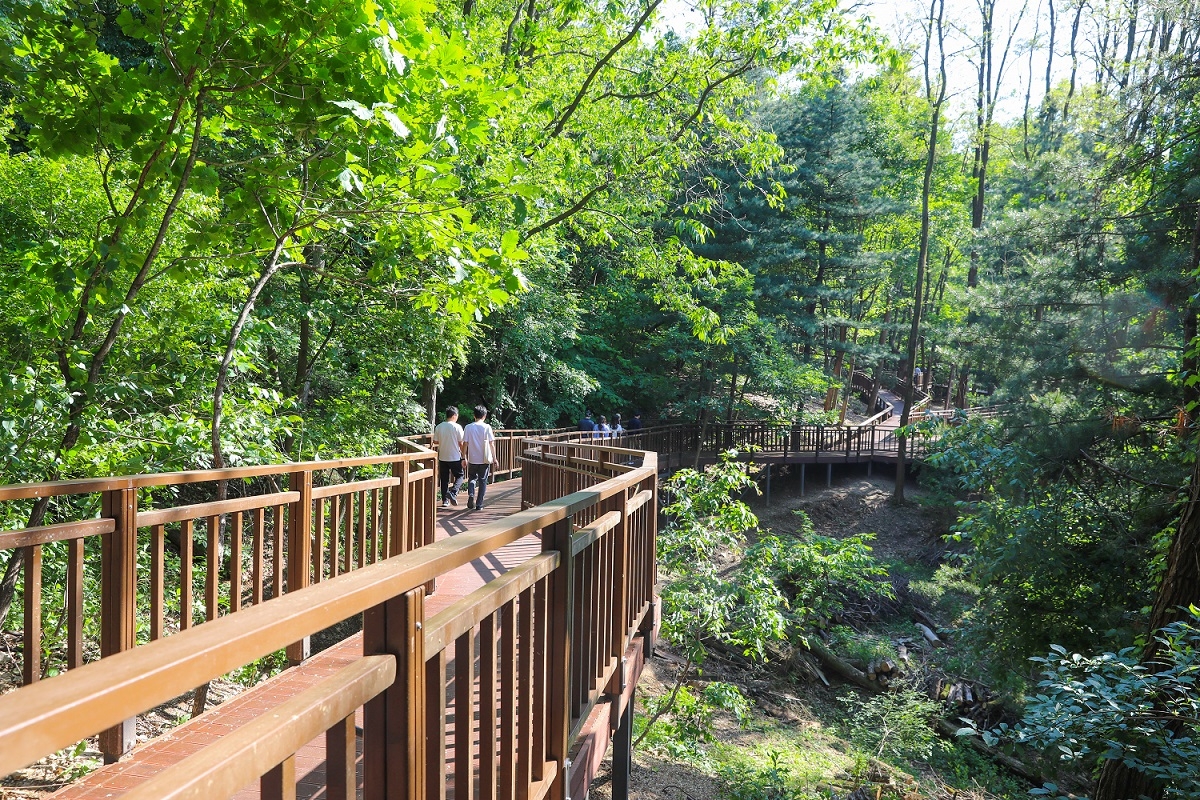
481, 457
452, 456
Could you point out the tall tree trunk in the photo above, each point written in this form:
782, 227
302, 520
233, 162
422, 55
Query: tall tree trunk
1074, 61
936, 11
831, 395
429, 395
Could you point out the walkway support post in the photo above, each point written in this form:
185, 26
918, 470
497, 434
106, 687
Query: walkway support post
118, 600
622, 755
299, 552
557, 538
394, 721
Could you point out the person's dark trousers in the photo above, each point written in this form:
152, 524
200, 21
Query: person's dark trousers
451, 473
477, 474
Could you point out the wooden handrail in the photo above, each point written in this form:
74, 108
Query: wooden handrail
161, 516
29, 491
58, 532
236, 760
49, 715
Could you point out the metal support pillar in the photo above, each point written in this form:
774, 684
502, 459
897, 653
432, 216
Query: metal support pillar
870, 464
828, 475
802, 470
622, 756
768, 484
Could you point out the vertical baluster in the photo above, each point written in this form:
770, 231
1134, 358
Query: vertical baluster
213, 571
557, 537
277, 553
256, 558
318, 556
430, 515
348, 553
487, 708
464, 716
599, 657
341, 753
538, 693
525, 751
32, 597
335, 520
157, 535
608, 603
186, 541
75, 555
235, 562
583, 639
435, 726
362, 529
385, 523
508, 701
280, 782
373, 536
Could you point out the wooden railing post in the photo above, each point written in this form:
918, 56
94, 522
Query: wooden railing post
557, 537
118, 601
299, 551
394, 722
398, 538
429, 516
620, 597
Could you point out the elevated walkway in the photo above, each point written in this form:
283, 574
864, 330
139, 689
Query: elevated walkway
548, 595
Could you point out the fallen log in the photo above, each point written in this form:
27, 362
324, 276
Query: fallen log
929, 635
836, 665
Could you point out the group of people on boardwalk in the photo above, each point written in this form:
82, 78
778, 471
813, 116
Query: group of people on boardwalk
469, 453
601, 429
470, 450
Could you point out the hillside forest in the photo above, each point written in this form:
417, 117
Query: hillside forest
251, 232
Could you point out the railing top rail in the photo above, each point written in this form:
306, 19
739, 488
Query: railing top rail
888, 411
52, 714
624, 451
224, 767
28, 491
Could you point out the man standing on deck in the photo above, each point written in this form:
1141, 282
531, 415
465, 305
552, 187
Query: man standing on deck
479, 441
452, 456
635, 424
586, 424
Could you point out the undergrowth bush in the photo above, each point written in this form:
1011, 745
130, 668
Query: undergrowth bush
773, 781
897, 723
685, 718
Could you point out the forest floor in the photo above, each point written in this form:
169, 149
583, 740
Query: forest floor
802, 739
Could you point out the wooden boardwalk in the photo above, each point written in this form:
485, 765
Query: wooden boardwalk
503, 499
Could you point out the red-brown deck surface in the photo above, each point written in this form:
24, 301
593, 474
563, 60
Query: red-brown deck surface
150, 758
